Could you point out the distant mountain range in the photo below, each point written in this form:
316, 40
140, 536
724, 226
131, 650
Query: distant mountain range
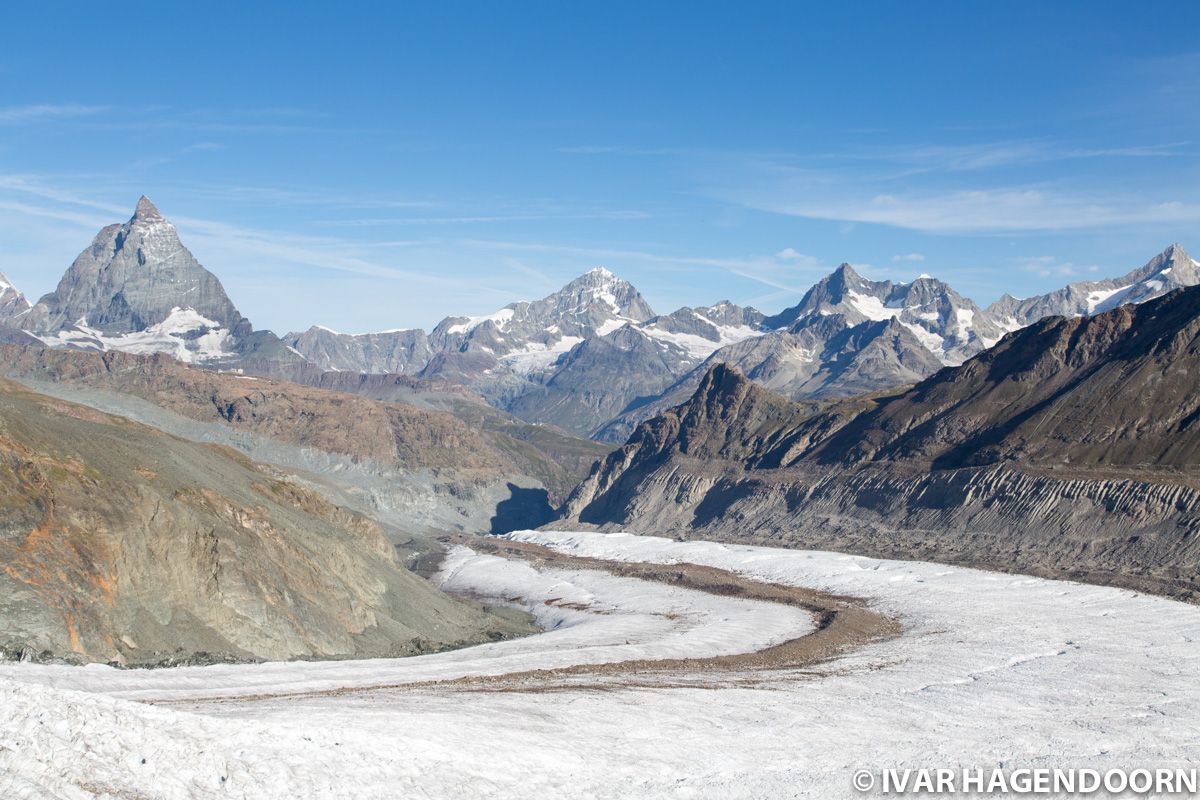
1067, 449
592, 358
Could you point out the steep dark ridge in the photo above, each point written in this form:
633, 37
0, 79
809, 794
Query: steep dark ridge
1072, 449
1113, 390
121, 543
823, 358
729, 420
598, 379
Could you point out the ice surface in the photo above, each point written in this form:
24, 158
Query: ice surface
989, 669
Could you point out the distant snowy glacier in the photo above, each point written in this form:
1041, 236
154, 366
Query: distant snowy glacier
988, 670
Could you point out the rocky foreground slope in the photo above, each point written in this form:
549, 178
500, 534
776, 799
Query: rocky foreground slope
1071, 448
421, 469
121, 543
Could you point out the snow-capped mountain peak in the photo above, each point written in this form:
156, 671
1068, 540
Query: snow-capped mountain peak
1171, 269
947, 324
593, 304
12, 301
139, 289
599, 289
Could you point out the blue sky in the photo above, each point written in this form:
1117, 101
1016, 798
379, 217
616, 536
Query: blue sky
381, 166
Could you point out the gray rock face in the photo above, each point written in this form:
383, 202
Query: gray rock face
400, 352
600, 378
848, 335
1069, 449
593, 304
584, 352
12, 302
134, 276
1169, 270
618, 372
719, 324
947, 324
138, 288
821, 357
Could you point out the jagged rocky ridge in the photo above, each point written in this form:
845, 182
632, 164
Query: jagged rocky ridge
1172, 269
594, 360
123, 544
850, 335
1071, 448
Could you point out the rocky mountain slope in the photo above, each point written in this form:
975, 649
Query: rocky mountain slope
820, 357
607, 375
121, 543
945, 323
421, 469
1072, 448
399, 352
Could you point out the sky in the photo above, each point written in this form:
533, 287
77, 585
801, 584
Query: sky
374, 166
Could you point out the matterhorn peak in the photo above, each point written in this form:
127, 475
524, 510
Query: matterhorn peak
146, 211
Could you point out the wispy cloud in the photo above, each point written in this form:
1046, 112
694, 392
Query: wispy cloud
35, 186
982, 156
45, 111
982, 210
909, 258
82, 219
484, 218
1048, 266
203, 147
938, 204
982, 187
787, 271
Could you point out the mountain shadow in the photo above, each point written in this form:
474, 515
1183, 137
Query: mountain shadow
524, 508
